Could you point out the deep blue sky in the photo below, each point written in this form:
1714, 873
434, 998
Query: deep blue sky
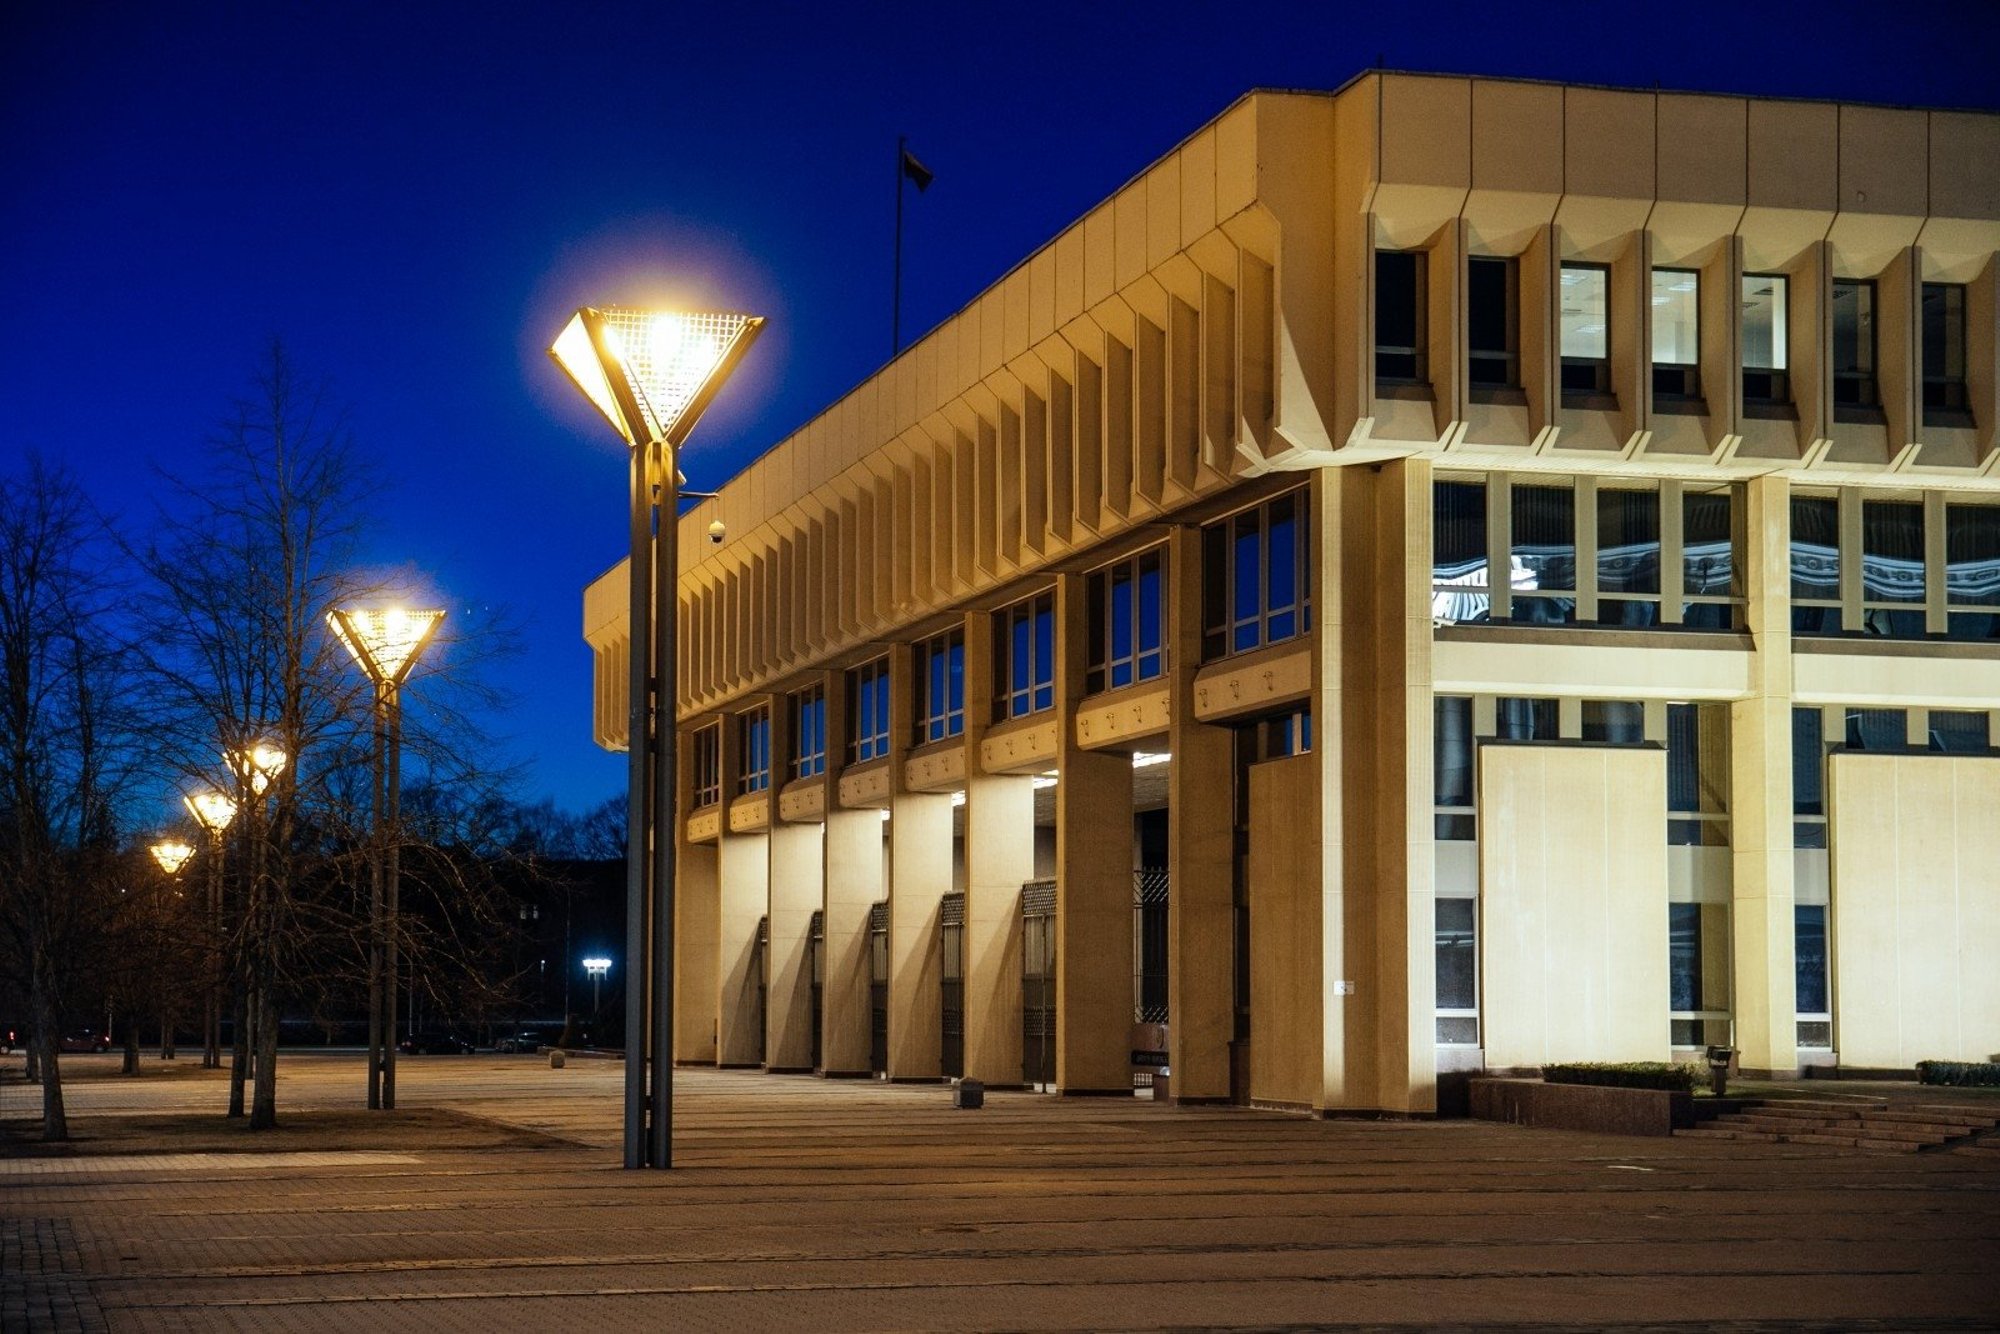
414, 196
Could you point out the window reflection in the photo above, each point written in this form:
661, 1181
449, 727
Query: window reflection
1815, 565
1628, 556
1459, 589
1892, 567
1766, 356
1708, 559
1544, 554
1972, 570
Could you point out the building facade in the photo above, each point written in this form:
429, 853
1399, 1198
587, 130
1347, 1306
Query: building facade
1447, 574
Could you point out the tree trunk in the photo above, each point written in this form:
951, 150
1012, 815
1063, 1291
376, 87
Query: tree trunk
239, 1050
264, 1105
131, 1066
46, 1045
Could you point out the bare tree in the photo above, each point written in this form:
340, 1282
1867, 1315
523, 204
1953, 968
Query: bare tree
64, 749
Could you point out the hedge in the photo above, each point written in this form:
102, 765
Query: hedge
1623, 1074
1960, 1074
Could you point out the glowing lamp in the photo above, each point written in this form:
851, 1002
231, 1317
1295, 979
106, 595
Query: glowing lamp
385, 642
211, 810
171, 855
257, 764
652, 372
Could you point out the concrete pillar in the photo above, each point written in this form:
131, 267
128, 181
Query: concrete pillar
920, 872
1760, 788
745, 891
999, 859
855, 882
1094, 967
697, 919
796, 892
1201, 915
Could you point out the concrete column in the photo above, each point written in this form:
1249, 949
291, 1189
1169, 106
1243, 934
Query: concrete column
1760, 790
920, 870
855, 882
1201, 915
796, 892
999, 859
697, 920
745, 891
1093, 882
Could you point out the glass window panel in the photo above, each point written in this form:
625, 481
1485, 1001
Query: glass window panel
1808, 759
1451, 749
1958, 732
1816, 548
1458, 552
1892, 551
1246, 587
1618, 722
1283, 547
1809, 958
1764, 303
1944, 333
1525, 719
1544, 552
1150, 597
1676, 317
1214, 587
1457, 962
1628, 541
1683, 758
1585, 309
1492, 322
1708, 547
1972, 555
1121, 614
1854, 343
1878, 729
1399, 315
1684, 956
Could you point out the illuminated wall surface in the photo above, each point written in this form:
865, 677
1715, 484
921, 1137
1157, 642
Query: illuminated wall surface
1442, 575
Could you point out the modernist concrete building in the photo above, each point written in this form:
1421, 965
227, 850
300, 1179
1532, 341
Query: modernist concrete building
1450, 573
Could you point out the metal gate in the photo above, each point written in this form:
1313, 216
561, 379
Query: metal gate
762, 963
878, 988
816, 947
1038, 984
1149, 925
951, 986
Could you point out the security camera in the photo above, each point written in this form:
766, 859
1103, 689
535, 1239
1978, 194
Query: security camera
715, 532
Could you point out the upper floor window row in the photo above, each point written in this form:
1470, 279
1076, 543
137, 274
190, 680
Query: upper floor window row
1586, 321
1868, 566
1585, 552
940, 682
1126, 605
754, 741
868, 712
1024, 657
808, 722
1256, 577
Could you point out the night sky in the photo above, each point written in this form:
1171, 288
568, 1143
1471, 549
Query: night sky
415, 196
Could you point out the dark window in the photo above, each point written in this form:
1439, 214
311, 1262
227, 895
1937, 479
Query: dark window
1815, 565
1586, 332
708, 766
1457, 971
1459, 590
1766, 350
1972, 571
1256, 582
1855, 395
1525, 719
1024, 657
1808, 779
1451, 764
940, 664
1628, 556
1711, 596
868, 711
1676, 335
1493, 322
1892, 568
1945, 400
1684, 956
1809, 955
1617, 722
808, 720
1544, 554
1126, 606
1400, 356
1959, 732
1697, 774
1878, 729
754, 739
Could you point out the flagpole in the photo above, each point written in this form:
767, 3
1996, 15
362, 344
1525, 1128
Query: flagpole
896, 302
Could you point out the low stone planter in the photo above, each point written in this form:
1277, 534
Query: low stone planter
1608, 1111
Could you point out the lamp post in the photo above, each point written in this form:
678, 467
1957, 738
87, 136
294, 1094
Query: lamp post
212, 811
652, 374
169, 855
596, 968
386, 644
256, 765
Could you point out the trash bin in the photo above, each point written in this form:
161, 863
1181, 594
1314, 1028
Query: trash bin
969, 1093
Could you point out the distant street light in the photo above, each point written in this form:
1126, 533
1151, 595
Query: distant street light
256, 765
170, 855
597, 968
212, 811
652, 374
386, 644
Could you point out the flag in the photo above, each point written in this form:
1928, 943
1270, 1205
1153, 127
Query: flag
916, 171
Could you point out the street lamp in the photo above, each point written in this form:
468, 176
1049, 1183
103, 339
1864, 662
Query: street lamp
256, 765
596, 968
652, 374
386, 644
212, 811
170, 855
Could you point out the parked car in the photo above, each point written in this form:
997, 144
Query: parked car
519, 1042
86, 1040
435, 1044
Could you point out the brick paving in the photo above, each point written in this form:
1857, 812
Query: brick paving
809, 1204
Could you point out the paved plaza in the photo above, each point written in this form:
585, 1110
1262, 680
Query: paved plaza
808, 1204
